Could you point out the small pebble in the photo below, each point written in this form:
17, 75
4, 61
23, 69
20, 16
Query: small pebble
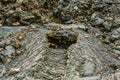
14, 70
117, 48
97, 21
9, 51
2, 44
116, 51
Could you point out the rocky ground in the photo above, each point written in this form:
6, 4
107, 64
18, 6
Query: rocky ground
60, 40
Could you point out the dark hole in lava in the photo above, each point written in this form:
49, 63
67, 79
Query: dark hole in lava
61, 40
62, 44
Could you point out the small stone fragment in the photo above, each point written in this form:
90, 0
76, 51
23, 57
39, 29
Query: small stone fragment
116, 52
2, 70
14, 70
9, 51
117, 48
18, 52
19, 36
97, 21
8, 60
66, 18
16, 24
2, 44
17, 44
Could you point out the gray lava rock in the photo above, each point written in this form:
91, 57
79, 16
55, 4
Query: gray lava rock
11, 18
82, 26
86, 57
57, 13
113, 76
27, 18
5, 31
2, 56
62, 4
2, 44
2, 70
83, 1
91, 78
66, 18
117, 42
107, 26
116, 52
97, 5
9, 51
89, 68
97, 21
116, 34
86, 78
118, 48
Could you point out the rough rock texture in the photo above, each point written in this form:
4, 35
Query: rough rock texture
63, 39
87, 59
114, 76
